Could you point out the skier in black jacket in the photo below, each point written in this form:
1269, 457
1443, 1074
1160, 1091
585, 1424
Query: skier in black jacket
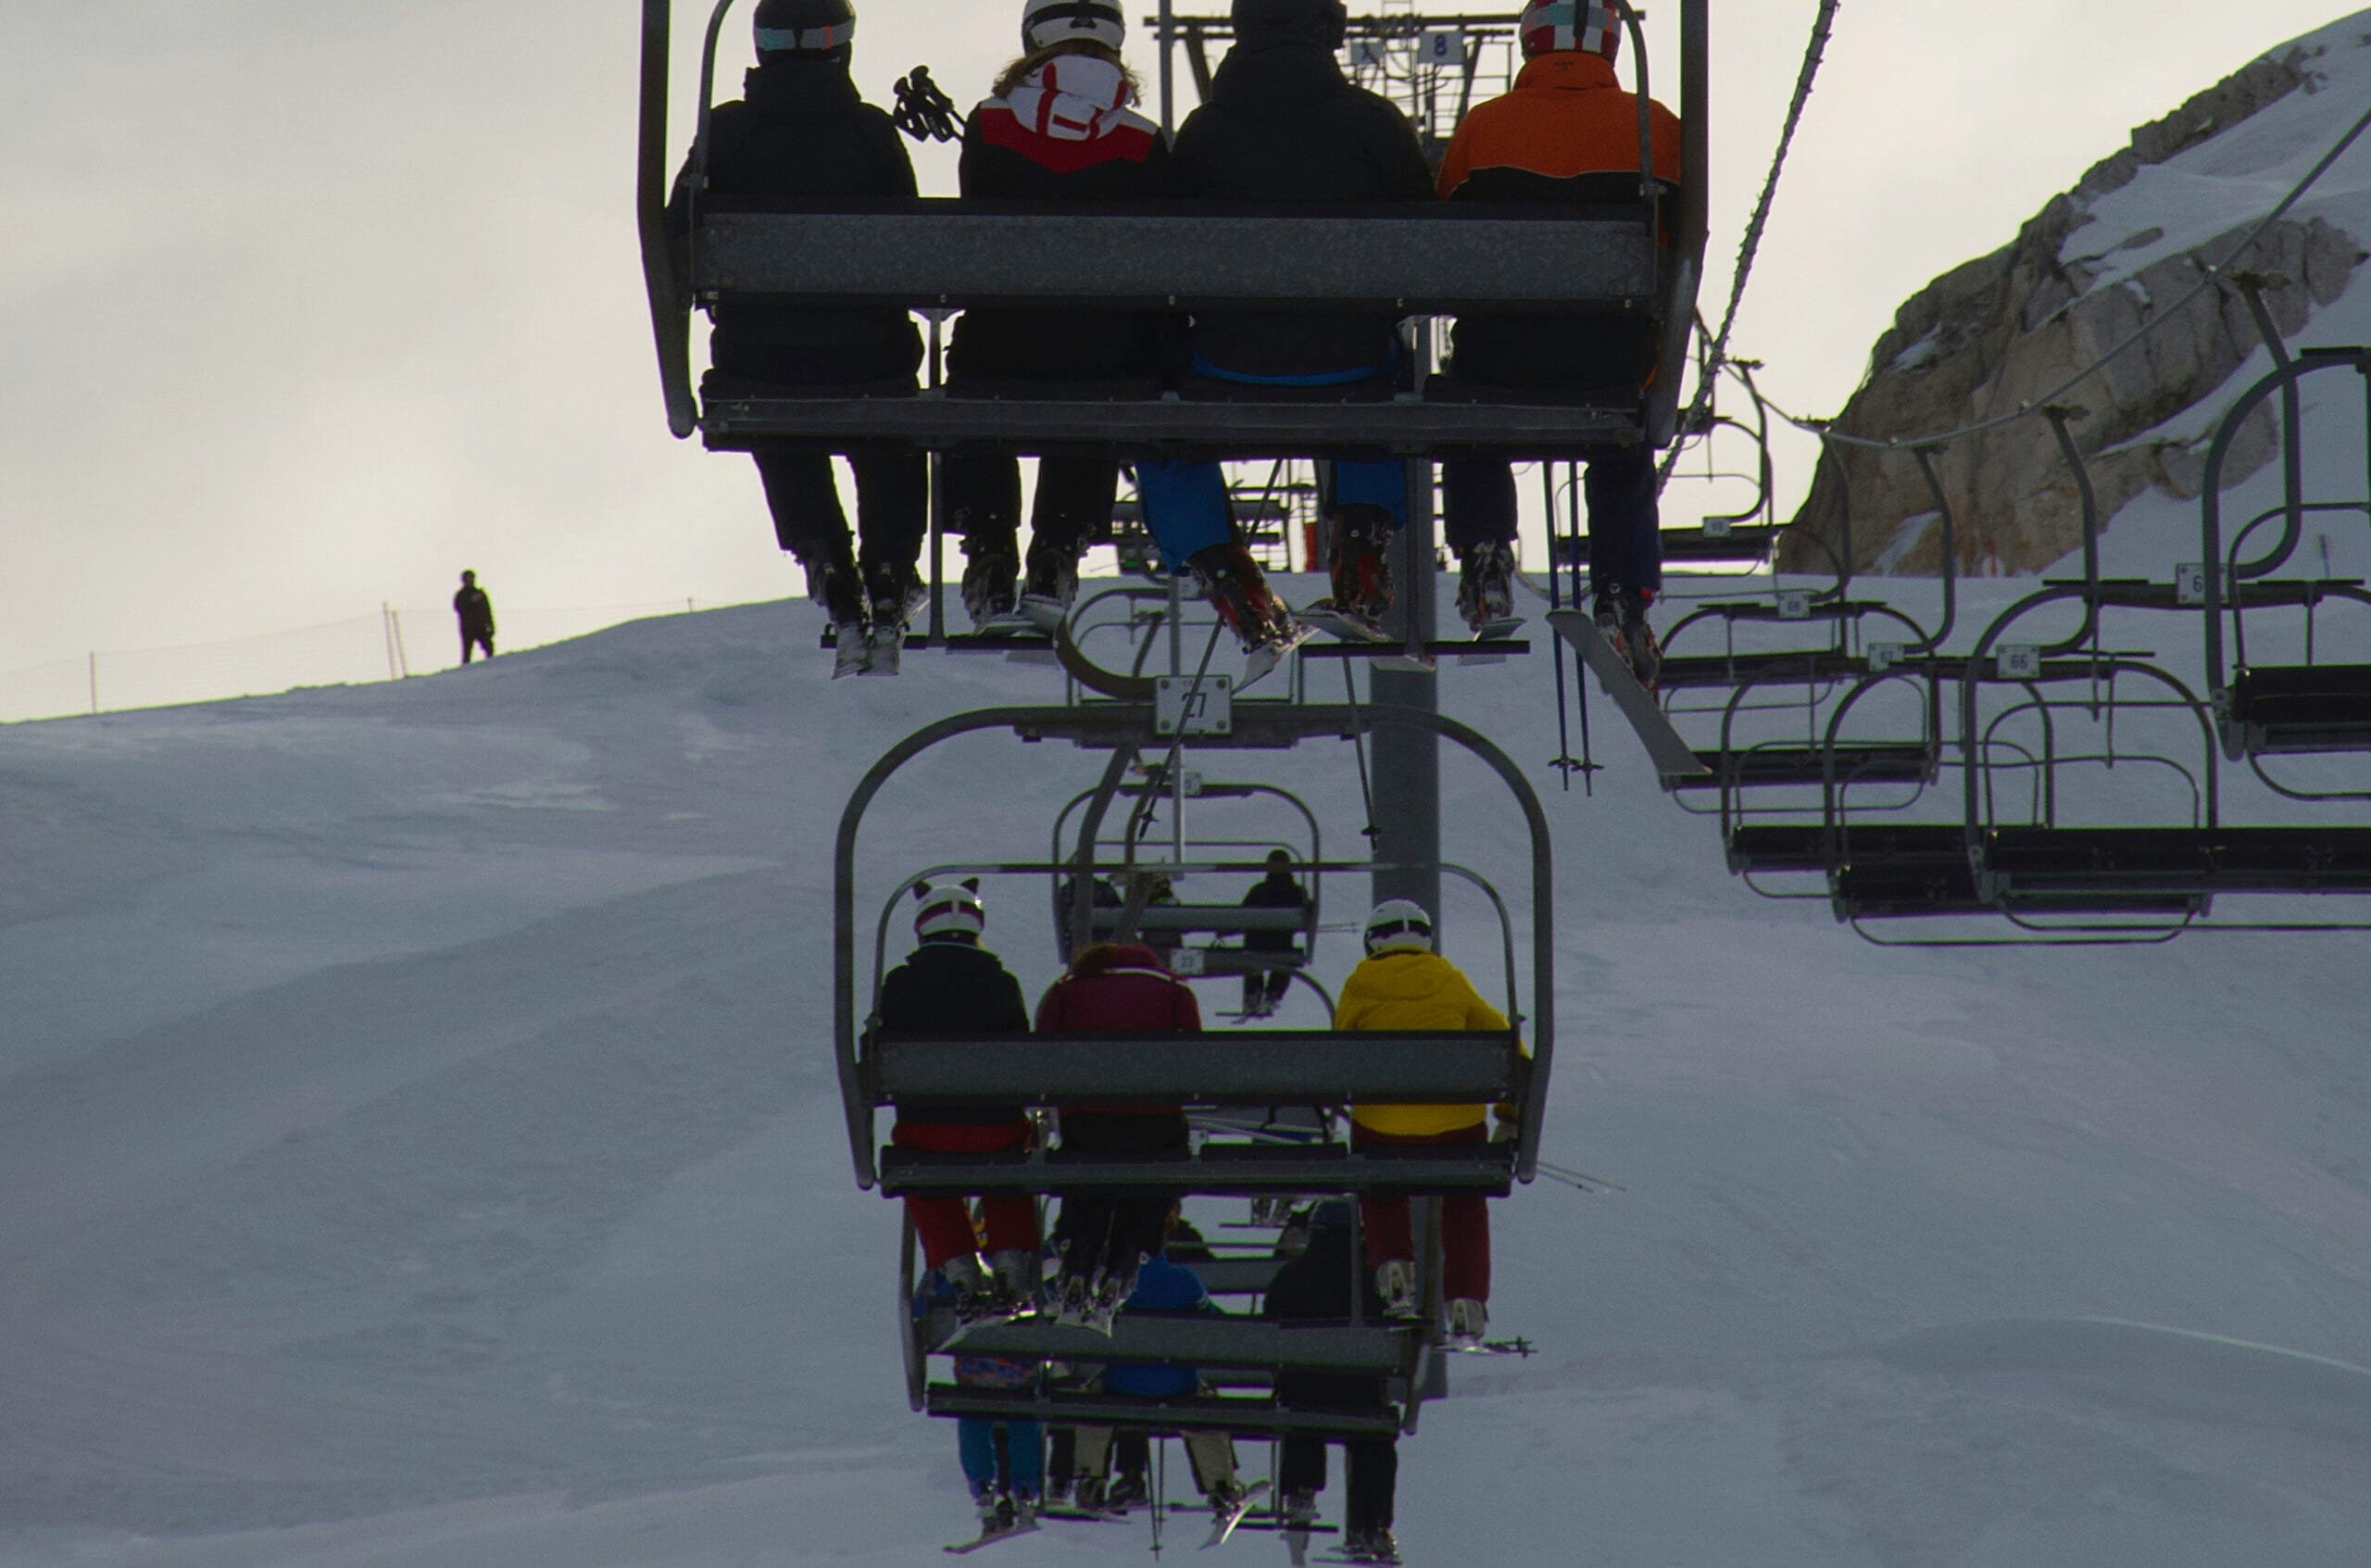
1315, 1289
1278, 890
799, 135
1058, 126
1284, 126
951, 986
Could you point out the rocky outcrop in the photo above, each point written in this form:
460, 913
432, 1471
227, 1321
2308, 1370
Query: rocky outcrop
2002, 332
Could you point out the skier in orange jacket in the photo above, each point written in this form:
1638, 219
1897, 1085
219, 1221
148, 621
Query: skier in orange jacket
1567, 133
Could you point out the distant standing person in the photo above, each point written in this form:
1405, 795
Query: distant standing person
476, 614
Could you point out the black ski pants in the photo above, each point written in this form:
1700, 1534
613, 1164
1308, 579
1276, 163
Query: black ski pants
981, 492
1625, 522
1111, 1228
891, 505
1373, 1462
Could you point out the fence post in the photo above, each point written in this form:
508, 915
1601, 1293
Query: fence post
95, 681
387, 634
402, 660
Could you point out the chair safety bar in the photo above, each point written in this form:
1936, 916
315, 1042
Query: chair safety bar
1225, 1170
1242, 1417
950, 254
1233, 1067
1202, 1341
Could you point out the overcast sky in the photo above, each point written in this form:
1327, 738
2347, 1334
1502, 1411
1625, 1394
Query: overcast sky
304, 306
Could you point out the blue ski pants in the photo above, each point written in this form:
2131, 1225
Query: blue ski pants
975, 1445
1185, 502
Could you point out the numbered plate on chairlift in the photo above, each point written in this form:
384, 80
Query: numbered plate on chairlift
1187, 705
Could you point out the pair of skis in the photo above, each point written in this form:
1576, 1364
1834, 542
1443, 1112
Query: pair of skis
1351, 628
1223, 1525
865, 655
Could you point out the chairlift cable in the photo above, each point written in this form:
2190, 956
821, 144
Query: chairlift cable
1823, 29
2213, 278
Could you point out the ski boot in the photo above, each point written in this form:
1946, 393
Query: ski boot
989, 573
1073, 1300
1485, 584
1622, 621
1370, 1546
1360, 567
1396, 1282
1018, 1279
1110, 1293
1300, 1514
1469, 1321
889, 596
1048, 585
994, 1512
1024, 1511
1087, 1495
836, 587
1239, 589
1124, 1492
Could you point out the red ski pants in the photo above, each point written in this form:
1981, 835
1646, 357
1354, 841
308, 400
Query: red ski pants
943, 1223
1465, 1219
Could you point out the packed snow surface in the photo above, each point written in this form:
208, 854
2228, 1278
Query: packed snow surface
423, 1149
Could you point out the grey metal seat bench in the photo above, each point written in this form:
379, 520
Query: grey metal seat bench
1243, 1417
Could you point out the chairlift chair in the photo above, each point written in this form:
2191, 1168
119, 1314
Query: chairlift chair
946, 255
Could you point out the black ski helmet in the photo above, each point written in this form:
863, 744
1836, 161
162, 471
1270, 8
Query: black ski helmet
1313, 21
804, 27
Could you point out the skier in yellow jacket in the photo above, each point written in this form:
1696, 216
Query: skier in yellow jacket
1404, 985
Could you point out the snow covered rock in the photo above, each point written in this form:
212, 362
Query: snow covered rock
2124, 250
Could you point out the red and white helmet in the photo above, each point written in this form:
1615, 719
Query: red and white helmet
1591, 27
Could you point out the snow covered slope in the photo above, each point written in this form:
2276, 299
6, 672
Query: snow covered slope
423, 1150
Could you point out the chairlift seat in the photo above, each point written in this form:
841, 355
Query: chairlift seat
1748, 543
2300, 709
1265, 426
1203, 1340
1218, 919
1776, 766
2193, 863
1808, 667
1228, 1067
1247, 1418
1812, 846
1245, 1169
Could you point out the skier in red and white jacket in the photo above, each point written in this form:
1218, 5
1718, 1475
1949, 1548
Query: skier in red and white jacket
1114, 988
1058, 126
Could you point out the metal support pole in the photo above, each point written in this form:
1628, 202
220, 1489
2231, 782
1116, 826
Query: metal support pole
1407, 758
1168, 70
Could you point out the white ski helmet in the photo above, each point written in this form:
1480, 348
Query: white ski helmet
804, 27
1591, 27
954, 910
1048, 22
1398, 925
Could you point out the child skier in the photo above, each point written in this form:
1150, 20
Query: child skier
1163, 1289
1566, 133
799, 132
1404, 985
1058, 126
950, 985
